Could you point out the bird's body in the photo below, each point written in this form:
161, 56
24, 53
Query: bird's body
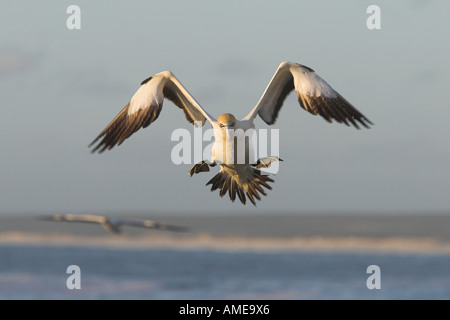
111, 224
239, 173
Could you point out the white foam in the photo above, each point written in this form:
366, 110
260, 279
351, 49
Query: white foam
234, 243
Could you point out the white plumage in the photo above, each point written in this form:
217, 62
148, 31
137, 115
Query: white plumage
112, 224
236, 178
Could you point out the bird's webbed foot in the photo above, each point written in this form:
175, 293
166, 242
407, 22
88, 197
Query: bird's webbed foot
202, 166
266, 162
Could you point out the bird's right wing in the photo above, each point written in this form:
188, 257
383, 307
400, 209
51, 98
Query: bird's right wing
150, 224
145, 106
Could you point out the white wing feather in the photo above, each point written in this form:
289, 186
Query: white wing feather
145, 106
313, 93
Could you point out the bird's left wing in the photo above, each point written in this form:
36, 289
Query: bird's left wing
145, 106
313, 94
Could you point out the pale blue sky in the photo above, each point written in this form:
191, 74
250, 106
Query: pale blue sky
59, 88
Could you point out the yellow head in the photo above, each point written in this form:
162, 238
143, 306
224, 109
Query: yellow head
227, 121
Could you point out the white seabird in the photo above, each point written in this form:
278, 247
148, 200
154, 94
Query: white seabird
313, 94
112, 224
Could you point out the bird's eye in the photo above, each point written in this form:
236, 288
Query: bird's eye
221, 125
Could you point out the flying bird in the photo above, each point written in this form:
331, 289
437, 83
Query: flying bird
112, 224
242, 178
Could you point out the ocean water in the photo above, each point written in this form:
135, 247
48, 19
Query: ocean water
40, 272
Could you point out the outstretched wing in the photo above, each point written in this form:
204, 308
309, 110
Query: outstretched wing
144, 108
313, 94
75, 218
150, 224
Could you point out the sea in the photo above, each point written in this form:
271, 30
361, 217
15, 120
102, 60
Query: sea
55, 261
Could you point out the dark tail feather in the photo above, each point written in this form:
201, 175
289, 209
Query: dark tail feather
252, 188
254, 185
225, 186
232, 189
241, 194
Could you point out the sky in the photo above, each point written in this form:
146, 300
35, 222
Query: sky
60, 87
